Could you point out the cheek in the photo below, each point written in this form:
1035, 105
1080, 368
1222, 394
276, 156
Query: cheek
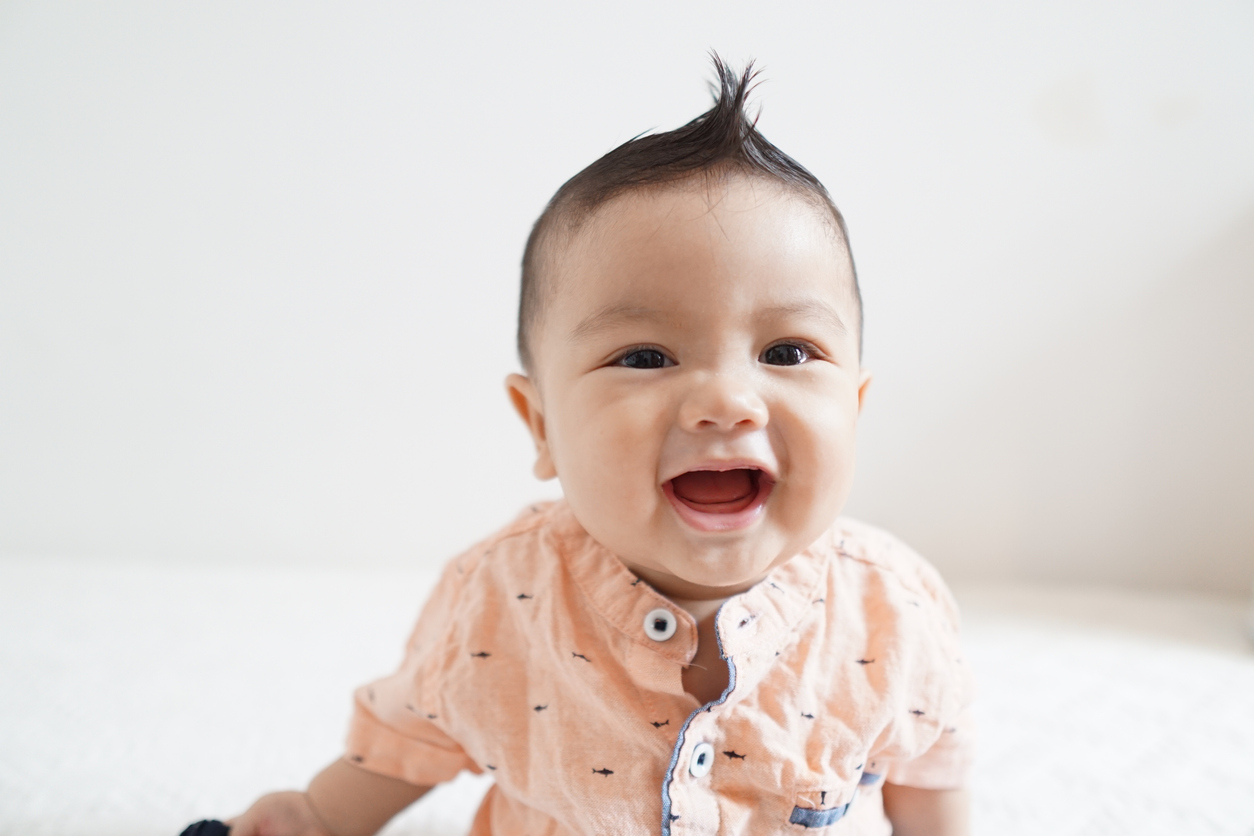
601, 436
820, 443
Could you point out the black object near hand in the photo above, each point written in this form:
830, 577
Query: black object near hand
209, 827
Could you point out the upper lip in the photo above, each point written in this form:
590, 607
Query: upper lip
727, 464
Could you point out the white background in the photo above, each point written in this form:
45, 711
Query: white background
258, 266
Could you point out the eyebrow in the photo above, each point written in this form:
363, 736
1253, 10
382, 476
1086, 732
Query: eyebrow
812, 309
614, 314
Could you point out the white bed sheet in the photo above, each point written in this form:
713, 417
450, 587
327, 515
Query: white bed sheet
137, 698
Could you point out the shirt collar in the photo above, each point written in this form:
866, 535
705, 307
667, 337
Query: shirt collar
758, 619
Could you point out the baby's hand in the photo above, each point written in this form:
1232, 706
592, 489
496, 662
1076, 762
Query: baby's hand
279, 814
342, 800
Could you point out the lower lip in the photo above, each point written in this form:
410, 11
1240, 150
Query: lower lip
726, 521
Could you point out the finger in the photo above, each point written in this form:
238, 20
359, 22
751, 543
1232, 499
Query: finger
242, 825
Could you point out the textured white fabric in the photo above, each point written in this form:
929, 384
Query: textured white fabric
135, 699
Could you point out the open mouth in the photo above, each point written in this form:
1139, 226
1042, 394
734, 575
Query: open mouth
719, 500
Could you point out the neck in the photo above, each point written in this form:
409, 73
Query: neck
700, 609
678, 589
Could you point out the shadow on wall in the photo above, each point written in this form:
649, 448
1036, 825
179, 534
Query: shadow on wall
1122, 453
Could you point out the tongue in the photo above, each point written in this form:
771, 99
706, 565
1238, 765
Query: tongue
713, 487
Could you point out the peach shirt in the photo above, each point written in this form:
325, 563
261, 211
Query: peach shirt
533, 660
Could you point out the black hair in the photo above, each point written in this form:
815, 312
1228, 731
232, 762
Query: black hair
721, 141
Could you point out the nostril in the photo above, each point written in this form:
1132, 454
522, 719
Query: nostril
738, 419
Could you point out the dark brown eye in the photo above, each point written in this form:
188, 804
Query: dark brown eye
644, 358
784, 355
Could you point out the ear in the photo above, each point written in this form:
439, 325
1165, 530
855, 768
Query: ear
864, 383
526, 400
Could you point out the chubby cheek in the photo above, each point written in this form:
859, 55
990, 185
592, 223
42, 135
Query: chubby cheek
819, 435
606, 452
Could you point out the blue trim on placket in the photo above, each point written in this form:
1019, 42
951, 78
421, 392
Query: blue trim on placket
679, 742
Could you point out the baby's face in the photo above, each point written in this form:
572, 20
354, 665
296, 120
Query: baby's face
697, 382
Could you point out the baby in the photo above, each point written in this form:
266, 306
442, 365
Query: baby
692, 641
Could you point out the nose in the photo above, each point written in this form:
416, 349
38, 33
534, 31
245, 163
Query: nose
724, 402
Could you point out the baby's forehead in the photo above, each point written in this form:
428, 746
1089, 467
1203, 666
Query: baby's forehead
646, 220
648, 226
655, 207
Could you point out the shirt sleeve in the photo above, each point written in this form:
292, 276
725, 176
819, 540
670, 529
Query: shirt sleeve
946, 765
395, 726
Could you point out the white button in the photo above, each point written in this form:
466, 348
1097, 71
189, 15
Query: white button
702, 760
659, 625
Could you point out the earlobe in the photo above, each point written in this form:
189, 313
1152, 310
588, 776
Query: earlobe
864, 383
526, 400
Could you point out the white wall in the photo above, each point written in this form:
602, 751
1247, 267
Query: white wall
1119, 450
258, 262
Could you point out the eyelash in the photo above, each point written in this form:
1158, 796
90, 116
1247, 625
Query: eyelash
808, 349
621, 358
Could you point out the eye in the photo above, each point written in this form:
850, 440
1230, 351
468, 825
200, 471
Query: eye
645, 358
785, 354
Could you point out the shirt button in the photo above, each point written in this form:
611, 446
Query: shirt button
659, 625
702, 760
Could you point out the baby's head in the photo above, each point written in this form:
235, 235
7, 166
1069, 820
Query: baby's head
690, 326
